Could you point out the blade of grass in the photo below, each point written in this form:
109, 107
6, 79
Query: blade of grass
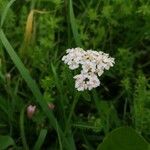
84, 126
40, 139
33, 86
4, 14
59, 138
22, 131
73, 24
76, 98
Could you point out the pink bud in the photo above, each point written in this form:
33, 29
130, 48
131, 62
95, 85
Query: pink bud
30, 111
51, 106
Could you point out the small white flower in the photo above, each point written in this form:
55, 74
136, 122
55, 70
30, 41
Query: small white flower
93, 64
88, 66
86, 81
73, 57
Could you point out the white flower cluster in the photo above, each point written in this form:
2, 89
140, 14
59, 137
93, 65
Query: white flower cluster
93, 64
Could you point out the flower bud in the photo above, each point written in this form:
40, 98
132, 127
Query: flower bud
30, 111
51, 106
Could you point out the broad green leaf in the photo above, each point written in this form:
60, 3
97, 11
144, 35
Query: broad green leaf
5, 141
124, 138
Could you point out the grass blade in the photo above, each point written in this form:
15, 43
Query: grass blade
6, 11
40, 139
22, 131
59, 138
73, 24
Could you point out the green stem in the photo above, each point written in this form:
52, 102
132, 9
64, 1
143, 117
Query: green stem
125, 110
22, 131
71, 111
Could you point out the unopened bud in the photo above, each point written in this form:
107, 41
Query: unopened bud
30, 111
51, 106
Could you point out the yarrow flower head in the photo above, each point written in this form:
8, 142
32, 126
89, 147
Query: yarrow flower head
93, 64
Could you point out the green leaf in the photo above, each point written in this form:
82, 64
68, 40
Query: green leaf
124, 138
5, 142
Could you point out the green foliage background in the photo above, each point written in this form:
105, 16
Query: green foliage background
120, 28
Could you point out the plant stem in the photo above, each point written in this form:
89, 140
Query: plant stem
72, 110
22, 131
